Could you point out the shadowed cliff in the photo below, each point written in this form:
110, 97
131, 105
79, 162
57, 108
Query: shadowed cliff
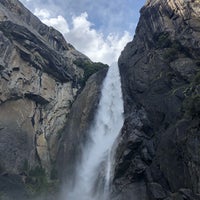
159, 148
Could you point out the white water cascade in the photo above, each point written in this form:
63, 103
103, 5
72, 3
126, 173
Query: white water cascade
95, 167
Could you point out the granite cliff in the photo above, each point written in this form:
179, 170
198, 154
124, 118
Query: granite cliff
159, 147
41, 78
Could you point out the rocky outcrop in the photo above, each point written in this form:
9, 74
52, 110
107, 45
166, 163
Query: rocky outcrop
41, 76
158, 153
37, 87
78, 123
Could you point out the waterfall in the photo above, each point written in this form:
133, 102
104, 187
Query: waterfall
94, 171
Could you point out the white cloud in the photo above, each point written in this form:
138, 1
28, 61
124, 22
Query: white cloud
42, 13
58, 22
85, 38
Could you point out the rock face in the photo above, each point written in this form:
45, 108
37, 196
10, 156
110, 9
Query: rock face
41, 76
78, 123
159, 148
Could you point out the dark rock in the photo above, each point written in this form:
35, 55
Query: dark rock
12, 183
130, 191
188, 194
160, 77
37, 98
156, 191
138, 166
145, 155
134, 141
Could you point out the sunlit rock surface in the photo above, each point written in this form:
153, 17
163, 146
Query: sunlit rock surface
41, 76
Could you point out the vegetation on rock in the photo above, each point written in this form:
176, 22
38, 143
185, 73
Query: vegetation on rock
89, 68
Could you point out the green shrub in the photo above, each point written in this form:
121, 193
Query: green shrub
3, 196
38, 183
37, 172
37, 180
89, 68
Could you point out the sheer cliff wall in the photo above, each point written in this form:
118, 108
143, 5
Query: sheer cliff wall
159, 147
41, 78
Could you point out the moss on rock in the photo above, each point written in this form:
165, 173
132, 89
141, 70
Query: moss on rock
89, 68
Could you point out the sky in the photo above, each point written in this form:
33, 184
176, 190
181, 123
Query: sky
98, 28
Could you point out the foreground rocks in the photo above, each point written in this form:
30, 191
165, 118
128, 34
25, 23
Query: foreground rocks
159, 148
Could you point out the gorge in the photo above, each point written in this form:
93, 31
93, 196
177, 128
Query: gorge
53, 101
